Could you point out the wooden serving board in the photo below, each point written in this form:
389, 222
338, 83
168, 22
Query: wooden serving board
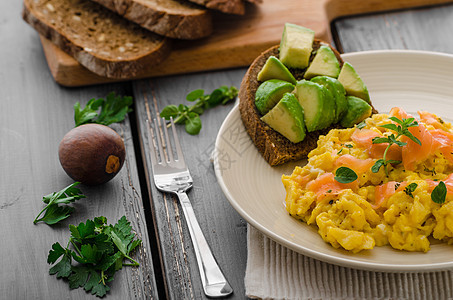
236, 40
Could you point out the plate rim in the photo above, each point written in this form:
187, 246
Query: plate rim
350, 263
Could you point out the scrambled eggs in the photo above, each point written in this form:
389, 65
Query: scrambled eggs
383, 207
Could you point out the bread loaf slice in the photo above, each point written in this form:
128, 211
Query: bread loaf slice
236, 7
275, 148
172, 18
98, 39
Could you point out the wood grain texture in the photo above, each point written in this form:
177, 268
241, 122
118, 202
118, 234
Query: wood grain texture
225, 231
34, 116
236, 40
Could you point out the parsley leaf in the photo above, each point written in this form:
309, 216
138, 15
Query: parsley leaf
99, 249
410, 189
113, 110
345, 175
439, 193
190, 115
53, 212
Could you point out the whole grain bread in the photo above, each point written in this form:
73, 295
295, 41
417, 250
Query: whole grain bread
236, 7
98, 39
275, 148
172, 18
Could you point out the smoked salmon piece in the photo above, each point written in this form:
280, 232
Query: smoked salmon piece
326, 185
413, 152
383, 192
364, 139
359, 166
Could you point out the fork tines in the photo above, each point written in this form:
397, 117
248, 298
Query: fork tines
164, 152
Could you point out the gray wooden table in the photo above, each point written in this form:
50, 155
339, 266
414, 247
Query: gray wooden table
35, 113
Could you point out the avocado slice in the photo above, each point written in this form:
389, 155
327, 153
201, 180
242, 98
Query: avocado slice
287, 118
270, 92
352, 82
318, 104
324, 63
338, 93
275, 69
358, 110
296, 46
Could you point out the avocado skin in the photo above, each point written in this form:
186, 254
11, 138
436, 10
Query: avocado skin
357, 111
269, 93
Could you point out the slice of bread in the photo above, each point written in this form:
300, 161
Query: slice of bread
236, 7
275, 148
98, 39
172, 18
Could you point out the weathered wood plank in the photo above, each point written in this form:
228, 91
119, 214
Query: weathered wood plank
35, 113
225, 231
428, 29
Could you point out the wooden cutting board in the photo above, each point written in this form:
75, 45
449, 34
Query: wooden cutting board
236, 40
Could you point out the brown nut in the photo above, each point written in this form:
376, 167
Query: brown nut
92, 153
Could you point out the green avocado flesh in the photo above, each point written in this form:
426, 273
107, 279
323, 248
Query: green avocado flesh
338, 93
275, 69
270, 92
287, 118
352, 82
325, 63
357, 111
296, 46
317, 103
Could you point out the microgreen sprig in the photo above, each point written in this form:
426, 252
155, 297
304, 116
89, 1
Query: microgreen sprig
190, 115
401, 129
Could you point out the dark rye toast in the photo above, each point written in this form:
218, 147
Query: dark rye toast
100, 40
172, 18
236, 7
274, 147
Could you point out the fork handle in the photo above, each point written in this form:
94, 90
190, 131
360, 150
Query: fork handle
214, 282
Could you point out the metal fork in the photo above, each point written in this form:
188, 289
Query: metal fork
171, 175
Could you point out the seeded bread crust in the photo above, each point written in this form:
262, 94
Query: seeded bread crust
275, 148
98, 39
172, 18
236, 7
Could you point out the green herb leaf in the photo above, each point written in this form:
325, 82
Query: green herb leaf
439, 193
410, 189
377, 165
112, 110
170, 111
194, 95
190, 115
99, 249
401, 130
345, 175
193, 124
53, 212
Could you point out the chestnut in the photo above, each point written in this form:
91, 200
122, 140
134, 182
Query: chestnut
92, 153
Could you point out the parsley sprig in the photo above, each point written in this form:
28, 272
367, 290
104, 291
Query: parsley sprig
99, 249
401, 129
54, 212
190, 115
112, 110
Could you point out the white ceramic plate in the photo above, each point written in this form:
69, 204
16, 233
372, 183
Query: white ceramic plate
413, 80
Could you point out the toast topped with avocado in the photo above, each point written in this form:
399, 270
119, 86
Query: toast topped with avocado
296, 91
